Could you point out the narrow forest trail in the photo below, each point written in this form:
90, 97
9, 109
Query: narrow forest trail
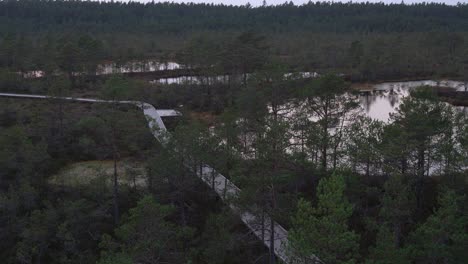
220, 184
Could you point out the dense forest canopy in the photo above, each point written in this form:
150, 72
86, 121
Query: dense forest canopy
85, 182
366, 41
171, 18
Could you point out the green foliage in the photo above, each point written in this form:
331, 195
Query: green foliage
424, 123
323, 230
363, 143
398, 204
59, 87
217, 242
68, 57
421, 115
36, 236
442, 238
400, 40
42, 220
116, 88
80, 55
247, 53
158, 18
327, 98
20, 158
92, 136
117, 258
251, 145
386, 251
327, 86
147, 236
10, 81
41, 231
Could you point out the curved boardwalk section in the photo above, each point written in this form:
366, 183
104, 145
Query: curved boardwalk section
220, 184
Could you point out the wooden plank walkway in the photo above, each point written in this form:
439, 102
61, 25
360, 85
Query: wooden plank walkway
220, 184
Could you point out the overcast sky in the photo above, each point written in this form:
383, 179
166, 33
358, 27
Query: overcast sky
297, 2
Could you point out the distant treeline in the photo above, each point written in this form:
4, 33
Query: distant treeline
172, 18
363, 40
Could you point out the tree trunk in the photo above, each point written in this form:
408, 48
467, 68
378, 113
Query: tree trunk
272, 240
368, 168
324, 156
420, 181
225, 187
61, 119
335, 157
421, 162
183, 213
116, 192
403, 165
150, 179
325, 137
212, 178
397, 235
263, 225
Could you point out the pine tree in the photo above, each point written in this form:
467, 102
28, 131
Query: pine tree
327, 100
385, 250
116, 88
443, 237
398, 204
146, 236
323, 230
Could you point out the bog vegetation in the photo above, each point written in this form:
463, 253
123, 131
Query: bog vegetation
348, 188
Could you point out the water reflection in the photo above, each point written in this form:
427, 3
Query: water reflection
223, 79
378, 102
137, 66
385, 98
113, 68
196, 80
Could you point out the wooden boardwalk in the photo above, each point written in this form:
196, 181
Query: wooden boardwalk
220, 184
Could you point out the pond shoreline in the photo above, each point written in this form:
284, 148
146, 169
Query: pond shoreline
456, 98
357, 84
